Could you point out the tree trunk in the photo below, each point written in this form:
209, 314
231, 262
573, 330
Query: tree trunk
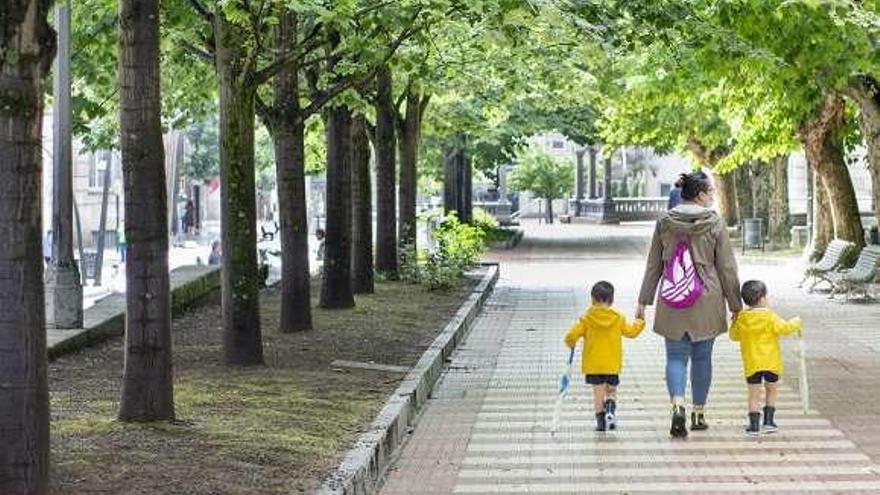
725, 197
761, 191
822, 139
147, 390
823, 222
450, 179
361, 209
408, 141
549, 210
241, 279
466, 198
778, 213
102, 223
725, 184
386, 214
742, 175
24, 396
336, 289
865, 91
288, 132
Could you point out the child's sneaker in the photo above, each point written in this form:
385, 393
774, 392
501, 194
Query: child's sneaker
610, 414
754, 427
698, 421
600, 421
679, 422
769, 423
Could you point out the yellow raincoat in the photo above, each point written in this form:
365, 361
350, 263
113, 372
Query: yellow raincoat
758, 330
602, 328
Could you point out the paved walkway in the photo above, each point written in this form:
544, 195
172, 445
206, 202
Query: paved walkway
487, 428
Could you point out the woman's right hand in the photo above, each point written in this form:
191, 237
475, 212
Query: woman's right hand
640, 311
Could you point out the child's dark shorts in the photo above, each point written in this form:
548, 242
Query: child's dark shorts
613, 380
767, 376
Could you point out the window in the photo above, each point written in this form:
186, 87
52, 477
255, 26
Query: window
665, 189
97, 167
558, 145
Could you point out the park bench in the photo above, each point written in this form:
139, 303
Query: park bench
860, 276
820, 271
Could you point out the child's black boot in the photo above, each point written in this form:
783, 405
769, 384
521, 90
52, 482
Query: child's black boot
600, 421
769, 422
754, 427
610, 414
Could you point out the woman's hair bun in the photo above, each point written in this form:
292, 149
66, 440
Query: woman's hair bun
682, 180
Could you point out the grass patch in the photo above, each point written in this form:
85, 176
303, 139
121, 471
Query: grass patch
277, 428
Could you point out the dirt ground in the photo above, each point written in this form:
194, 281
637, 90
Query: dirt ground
273, 429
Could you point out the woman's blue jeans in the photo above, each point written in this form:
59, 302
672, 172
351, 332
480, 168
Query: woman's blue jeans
677, 355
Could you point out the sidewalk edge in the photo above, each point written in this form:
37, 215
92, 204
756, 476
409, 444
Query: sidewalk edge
361, 470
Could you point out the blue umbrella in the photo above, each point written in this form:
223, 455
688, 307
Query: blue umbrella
564, 380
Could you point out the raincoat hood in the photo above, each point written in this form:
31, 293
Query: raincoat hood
601, 317
601, 329
690, 219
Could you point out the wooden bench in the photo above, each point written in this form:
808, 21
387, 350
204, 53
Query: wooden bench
859, 277
820, 271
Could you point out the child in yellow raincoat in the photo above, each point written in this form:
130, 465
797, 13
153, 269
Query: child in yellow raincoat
602, 328
758, 329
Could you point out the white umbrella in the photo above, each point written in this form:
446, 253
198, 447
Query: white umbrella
563, 391
803, 384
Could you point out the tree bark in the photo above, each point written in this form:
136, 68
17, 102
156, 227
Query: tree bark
725, 184
823, 222
822, 139
102, 223
288, 132
241, 282
361, 209
742, 176
24, 396
408, 142
147, 387
864, 90
336, 289
466, 199
386, 214
549, 210
450, 179
778, 213
725, 197
761, 175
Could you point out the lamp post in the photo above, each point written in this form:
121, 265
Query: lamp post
63, 283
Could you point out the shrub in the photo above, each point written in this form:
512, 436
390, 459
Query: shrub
459, 246
484, 220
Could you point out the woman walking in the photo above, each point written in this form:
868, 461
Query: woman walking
693, 262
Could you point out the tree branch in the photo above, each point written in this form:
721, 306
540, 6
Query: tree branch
342, 86
200, 53
202, 10
266, 113
310, 43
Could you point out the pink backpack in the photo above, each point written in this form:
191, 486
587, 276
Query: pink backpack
680, 286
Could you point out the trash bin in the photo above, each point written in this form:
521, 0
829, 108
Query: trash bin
753, 233
90, 259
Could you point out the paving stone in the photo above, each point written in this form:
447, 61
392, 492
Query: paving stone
487, 427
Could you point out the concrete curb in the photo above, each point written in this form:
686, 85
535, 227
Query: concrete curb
106, 319
362, 468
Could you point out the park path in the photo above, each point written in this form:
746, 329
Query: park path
486, 428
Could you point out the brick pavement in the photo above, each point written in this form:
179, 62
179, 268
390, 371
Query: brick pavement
486, 430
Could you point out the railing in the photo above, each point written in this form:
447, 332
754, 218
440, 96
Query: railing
621, 209
639, 209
